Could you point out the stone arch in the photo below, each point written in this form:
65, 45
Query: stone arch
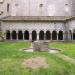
60, 35
70, 32
26, 35
54, 35
73, 34
34, 35
14, 35
48, 35
20, 35
8, 35
41, 35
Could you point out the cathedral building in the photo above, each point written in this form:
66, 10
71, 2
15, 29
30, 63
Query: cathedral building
37, 20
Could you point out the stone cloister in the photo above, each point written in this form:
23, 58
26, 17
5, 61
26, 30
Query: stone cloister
41, 35
26, 35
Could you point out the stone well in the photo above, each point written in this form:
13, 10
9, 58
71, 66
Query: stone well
40, 45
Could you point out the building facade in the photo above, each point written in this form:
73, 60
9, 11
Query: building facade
37, 19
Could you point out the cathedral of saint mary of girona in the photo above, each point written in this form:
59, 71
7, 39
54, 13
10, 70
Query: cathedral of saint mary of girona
37, 20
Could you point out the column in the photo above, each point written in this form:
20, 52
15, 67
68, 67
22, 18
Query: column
57, 36
51, 35
44, 36
72, 35
23, 36
10, 36
17, 35
37, 36
30, 36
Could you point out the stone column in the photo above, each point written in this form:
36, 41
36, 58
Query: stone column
30, 36
44, 36
37, 36
57, 36
17, 35
23, 36
10, 36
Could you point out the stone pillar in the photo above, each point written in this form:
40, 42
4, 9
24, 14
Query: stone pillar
63, 36
37, 36
30, 36
51, 36
23, 36
5, 35
44, 36
17, 35
57, 36
10, 36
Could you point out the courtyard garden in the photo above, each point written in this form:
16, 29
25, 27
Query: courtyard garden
12, 58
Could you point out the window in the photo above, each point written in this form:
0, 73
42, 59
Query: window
41, 5
8, 7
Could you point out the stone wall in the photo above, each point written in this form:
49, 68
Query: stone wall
37, 8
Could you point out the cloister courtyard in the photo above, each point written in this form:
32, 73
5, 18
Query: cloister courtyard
11, 59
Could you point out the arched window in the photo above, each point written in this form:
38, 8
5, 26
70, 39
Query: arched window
54, 35
34, 35
41, 35
48, 35
20, 35
8, 35
60, 35
14, 35
26, 35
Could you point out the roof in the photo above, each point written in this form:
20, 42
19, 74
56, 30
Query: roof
35, 18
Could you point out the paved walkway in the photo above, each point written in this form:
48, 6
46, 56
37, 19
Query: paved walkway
66, 58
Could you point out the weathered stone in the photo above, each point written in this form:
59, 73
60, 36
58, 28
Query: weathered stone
40, 46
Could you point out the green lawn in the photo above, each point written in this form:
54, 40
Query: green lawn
11, 59
67, 48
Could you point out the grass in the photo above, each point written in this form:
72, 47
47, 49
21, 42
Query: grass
11, 59
67, 48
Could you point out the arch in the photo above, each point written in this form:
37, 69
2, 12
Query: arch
14, 35
54, 35
8, 35
34, 35
73, 35
60, 35
70, 32
20, 35
48, 35
41, 35
26, 35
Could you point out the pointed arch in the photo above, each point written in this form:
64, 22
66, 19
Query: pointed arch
70, 32
41, 35
34, 35
54, 35
20, 35
14, 35
26, 35
60, 35
48, 35
8, 35
73, 34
